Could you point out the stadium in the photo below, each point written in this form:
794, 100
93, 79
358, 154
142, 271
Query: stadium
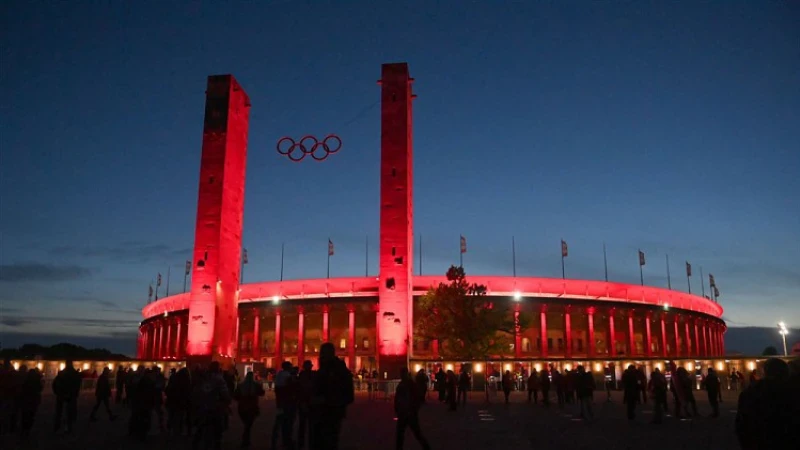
370, 319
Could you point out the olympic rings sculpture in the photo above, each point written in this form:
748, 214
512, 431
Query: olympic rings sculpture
309, 145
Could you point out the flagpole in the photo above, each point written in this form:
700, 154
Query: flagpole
513, 256
241, 269
329, 258
157, 285
185, 274
460, 254
366, 258
563, 274
605, 261
282, 244
168, 271
702, 282
689, 280
420, 254
641, 271
669, 281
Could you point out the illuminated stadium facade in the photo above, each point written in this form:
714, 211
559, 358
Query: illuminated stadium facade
370, 319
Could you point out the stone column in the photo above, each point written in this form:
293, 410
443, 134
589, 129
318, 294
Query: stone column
160, 345
631, 334
567, 330
255, 353
705, 339
648, 336
590, 318
178, 331
663, 336
301, 336
351, 337
517, 334
688, 337
326, 331
696, 338
612, 342
278, 353
543, 330
677, 337
168, 350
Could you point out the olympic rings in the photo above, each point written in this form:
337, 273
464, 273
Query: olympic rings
309, 145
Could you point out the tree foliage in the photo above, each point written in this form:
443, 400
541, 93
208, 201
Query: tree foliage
61, 351
468, 324
770, 351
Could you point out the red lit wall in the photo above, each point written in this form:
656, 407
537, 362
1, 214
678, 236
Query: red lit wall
396, 219
218, 230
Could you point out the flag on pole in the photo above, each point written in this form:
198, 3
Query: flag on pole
330, 248
244, 256
150, 293
641, 258
688, 269
158, 280
564, 251
463, 244
188, 267
716, 292
711, 281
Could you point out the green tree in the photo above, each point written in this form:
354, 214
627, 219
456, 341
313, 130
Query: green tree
770, 351
468, 324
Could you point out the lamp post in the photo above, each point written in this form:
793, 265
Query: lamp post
783, 331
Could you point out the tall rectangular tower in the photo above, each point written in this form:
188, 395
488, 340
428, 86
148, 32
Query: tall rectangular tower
216, 267
397, 219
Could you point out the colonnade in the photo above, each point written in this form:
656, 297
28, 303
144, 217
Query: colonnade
691, 335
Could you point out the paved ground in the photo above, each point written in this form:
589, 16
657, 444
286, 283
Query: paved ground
479, 425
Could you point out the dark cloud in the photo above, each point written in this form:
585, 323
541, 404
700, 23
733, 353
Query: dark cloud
22, 272
12, 321
126, 252
84, 322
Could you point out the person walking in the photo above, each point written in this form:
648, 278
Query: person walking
464, 384
406, 407
178, 391
67, 388
508, 382
247, 394
305, 391
658, 389
584, 388
421, 380
630, 386
544, 382
712, 385
211, 400
31, 397
441, 384
102, 394
119, 384
533, 386
332, 394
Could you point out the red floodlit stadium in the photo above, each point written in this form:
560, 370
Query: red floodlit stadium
371, 319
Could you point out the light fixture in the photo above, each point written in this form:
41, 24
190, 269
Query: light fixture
783, 332
666, 306
478, 367
276, 298
517, 295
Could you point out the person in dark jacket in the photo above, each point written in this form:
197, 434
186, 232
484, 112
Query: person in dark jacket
508, 382
120, 385
102, 394
422, 384
658, 388
544, 382
584, 388
769, 408
305, 391
630, 386
178, 392
712, 385
333, 393
67, 388
463, 386
407, 402
247, 395
452, 385
533, 386
441, 384
30, 397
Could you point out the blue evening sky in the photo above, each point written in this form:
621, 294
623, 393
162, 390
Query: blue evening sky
673, 128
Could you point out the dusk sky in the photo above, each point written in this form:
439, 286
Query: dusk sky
674, 129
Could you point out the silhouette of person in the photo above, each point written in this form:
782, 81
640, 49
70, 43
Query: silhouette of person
533, 386
178, 391
30, 398
332, 394
544, 382
768, 410
507, 384
630, 386
441, 384
305, 391
712, 385
286, 406
102, 394
407, 402
246, 395
422, 384
658, 388
66, 387
463, 386
119, 383
584, 388
210, 399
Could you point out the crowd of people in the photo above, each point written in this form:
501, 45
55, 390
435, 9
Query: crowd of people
311, 404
